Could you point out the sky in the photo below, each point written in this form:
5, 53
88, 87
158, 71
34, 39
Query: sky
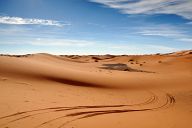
95, 26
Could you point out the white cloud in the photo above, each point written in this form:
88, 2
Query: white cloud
50, 42
167, 31
144, 46
143, 49
161, 48
186, 39
61, 42
72, 46
14, 30
161, 30
178, 7
23, 21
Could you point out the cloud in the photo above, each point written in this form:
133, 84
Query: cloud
166, 31
143, 49
14, 30
61, 42
161, 30
144, 46
186, 40
161, 47
178, 7
24, 21
49, 42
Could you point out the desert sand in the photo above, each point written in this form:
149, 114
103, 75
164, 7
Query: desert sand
135, 91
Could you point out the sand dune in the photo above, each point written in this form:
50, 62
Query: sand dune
49, 91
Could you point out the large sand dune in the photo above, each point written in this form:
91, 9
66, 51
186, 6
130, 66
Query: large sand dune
143, 91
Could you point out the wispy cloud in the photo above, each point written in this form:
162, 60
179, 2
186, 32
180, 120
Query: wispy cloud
24, 21
61, 42
178, 7
143, 48
49, 42
167, 31
161, 30
186, 39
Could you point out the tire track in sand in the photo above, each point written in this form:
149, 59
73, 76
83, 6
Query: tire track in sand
88, 111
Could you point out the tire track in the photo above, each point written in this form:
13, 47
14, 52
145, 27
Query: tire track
170, 101
62, 109
88, 112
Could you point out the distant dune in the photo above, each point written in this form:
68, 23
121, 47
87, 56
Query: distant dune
102, 91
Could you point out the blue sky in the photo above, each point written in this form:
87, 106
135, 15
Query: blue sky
95, 26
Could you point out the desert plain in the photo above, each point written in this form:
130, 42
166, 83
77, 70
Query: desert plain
96, 91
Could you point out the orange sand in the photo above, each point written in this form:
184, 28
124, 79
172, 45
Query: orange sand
47, 91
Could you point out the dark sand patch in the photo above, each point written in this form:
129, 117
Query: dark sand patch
121, 67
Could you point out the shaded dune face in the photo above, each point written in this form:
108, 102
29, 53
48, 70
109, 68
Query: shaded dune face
48, 73
75, 82
50, 91
50, 68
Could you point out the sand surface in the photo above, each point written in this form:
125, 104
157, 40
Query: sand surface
48, 91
